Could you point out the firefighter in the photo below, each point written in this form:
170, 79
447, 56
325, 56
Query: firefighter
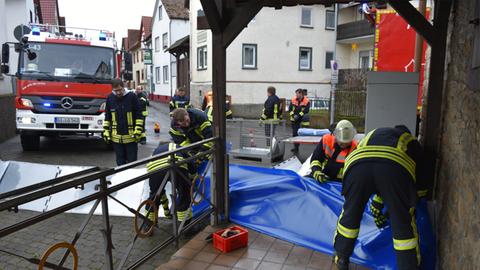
388, 162
207, 105
183, 185
143, 100
299, 108
272, 113
123, 125
189, 126
329, 156
180, 100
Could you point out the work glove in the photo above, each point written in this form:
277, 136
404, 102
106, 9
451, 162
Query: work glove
320, 176
376, 208
260, 122
106, 136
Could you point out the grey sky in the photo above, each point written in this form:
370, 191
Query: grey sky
113, 15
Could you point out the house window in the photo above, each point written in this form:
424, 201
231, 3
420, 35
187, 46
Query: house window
165, 40
330, 20
134, 56
141, 56
328, 58
143, 75
157, 44
202, 58
249, 56
31, 16
306, 20
305, 59
160, 12
364, 60
165, 74
157, 75
173, 69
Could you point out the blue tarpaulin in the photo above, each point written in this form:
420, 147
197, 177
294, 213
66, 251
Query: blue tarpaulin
282, 204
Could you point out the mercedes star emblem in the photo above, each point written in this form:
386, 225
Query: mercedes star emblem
66, 103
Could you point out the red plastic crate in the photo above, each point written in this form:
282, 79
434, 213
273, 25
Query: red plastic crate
231, 243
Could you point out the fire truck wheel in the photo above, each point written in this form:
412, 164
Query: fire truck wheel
30, 142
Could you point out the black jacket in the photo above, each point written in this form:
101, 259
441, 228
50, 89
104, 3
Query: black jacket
200, 129
272, 109
117, 111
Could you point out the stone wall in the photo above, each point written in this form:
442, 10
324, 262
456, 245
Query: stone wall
7, 117
458, 185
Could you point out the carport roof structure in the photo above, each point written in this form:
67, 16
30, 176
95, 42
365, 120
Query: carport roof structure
227, 19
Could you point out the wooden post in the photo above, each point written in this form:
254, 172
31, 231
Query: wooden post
219, 85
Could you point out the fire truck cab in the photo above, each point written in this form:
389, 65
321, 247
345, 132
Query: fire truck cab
62, 81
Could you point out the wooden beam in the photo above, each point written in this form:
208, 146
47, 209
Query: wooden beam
421, 25
219, 86
432, 111
240, 20
213, 16
202, 23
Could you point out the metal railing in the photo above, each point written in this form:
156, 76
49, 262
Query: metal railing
9, 201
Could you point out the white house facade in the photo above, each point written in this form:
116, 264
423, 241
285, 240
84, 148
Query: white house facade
170, 23
289, 49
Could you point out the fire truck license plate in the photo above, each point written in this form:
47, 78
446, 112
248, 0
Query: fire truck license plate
67, 120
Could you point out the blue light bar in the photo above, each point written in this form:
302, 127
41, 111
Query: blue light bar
103, 36
47, 105
36, 31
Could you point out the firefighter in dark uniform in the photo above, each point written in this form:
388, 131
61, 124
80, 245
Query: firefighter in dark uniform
272, 113
183, 186
329, 156
388, 162
299, 108
123, 125
143, 100
179, 100
207, 105
190, 126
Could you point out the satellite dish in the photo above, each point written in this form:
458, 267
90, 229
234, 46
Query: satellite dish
21, 30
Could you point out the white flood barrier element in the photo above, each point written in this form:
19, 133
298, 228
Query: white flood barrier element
15, 175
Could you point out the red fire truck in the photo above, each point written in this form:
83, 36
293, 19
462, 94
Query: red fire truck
62, 81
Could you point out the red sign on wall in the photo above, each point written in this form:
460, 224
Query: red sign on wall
395, 46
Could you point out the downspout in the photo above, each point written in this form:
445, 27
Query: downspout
170, 56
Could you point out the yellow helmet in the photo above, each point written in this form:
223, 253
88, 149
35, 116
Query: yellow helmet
344, 132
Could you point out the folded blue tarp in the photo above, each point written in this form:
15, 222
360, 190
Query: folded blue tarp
312, 132
282, 204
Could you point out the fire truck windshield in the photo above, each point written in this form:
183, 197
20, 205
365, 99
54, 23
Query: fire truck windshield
67, 62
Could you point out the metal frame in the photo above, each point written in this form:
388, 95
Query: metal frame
11, 200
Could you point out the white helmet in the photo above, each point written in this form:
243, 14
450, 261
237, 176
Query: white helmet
344, 132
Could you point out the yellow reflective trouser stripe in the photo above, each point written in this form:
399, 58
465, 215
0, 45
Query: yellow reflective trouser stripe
145, 113
422, 193
305, 124
185, 142
346, 232
275, 111
205, 125
406, 244
208, 145
184, 215
106, 124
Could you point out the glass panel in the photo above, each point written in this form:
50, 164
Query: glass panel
305, 59
330, 19
249, 56
306, 16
